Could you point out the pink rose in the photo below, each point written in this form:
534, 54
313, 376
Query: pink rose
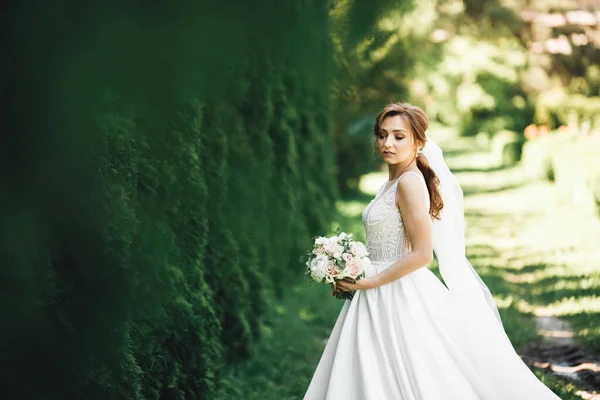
332, 269
354, 269
347, 257
319, 250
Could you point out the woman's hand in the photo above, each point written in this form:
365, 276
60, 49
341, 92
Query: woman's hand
348, 284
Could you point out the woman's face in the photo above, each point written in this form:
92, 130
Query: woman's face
395, 141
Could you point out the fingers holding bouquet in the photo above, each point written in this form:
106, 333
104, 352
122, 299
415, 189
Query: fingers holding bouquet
341, 262
349, 284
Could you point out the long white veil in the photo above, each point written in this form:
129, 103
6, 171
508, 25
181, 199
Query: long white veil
449, 235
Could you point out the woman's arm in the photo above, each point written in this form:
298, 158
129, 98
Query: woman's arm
412, 202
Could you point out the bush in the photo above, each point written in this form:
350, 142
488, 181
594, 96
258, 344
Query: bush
539, 152
166, 167
569, 160
507, 147
557, 108
501, 106
355, 155
577, 172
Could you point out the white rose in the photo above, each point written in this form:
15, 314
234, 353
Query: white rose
345, 273
337, 255
332, 248
320, 240
358, 249
322, 259
318, 267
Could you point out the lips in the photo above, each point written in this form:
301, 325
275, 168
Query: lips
387, 153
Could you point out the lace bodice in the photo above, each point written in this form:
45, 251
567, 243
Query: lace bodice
386, 238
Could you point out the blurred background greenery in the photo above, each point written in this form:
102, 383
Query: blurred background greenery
166, 165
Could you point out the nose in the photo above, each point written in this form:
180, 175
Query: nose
388, 141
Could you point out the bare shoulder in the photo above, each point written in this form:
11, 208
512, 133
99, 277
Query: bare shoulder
410, 193
411, 181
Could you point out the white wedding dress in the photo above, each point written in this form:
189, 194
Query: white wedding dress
413, 339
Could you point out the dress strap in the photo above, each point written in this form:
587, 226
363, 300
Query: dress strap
421, 178
410, 172
384, 188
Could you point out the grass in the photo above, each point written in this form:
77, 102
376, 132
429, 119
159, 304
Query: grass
538, 255
563, 389
534, 253
289, 350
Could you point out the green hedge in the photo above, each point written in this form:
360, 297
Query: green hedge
167, 165
572, 162
355, 155
507, 147
556, 108
539, 152
577, 173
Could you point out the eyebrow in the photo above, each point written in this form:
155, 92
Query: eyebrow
393, 130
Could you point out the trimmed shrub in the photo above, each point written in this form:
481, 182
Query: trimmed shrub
557, 108
569, 160
166, 166
355, 155
539, 152
577, 171
507, 147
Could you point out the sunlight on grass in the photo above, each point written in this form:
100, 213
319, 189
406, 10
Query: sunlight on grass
588, 335
532, 250
566, 390
370, 183
575, 305
350, 208
504, 302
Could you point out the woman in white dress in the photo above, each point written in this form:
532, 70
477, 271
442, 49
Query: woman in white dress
405, 335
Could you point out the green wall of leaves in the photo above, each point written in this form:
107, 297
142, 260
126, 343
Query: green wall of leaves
168, 165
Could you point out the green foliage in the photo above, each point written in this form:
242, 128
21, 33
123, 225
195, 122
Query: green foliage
300, 322
375, 46
556, 107
472, 81
489, 98
360, 17
577, 173
507, 147
539, 152
569, 160
561, 387
508, 109
357, 153
172, 161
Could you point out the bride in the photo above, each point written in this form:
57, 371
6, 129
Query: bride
405, 335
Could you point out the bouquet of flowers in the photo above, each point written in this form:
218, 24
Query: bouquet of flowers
334, 258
